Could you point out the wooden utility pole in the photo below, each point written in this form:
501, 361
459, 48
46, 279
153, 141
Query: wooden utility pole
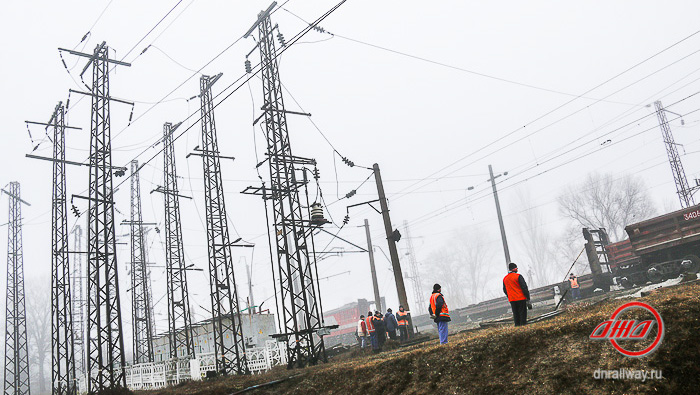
377, 298
391, 239
500, 217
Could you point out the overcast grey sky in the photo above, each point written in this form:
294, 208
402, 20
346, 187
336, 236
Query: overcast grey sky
420, 89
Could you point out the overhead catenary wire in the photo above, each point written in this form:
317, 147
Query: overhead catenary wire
239, 82
549, 112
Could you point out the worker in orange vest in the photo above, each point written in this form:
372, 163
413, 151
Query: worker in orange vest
402, 318
439, 312
369, 323
575, 290
515, 288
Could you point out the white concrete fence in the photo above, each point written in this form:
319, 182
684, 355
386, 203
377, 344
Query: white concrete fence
155, 375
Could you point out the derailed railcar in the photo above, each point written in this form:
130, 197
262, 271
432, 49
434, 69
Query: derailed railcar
658, 249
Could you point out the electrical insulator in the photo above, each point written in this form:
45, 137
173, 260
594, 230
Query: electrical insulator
157, 230
119, 173
317, 214
280, 37
348, 162
319, 29
351, 194
248, 67
346, 219
317, 174
75, 210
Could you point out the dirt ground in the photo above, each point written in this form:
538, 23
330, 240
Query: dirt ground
549, 357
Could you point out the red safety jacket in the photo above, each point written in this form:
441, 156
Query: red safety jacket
370, 325
402, 318
444, 312
574, 282
511, 283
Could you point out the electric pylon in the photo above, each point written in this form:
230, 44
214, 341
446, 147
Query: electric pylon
295, 261
63, 367
178, 296
142, 324
226, 318
78, 303
16, 352
685, 194
418, 297
105, 339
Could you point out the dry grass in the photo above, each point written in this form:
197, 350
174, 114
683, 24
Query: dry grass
554, 356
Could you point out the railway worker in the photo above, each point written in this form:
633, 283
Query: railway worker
515, 288
380, 329
575, 290
402, 318
369, 322
439, 312
391, 324
362, 333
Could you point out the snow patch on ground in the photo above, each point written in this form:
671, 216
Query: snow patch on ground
652, 287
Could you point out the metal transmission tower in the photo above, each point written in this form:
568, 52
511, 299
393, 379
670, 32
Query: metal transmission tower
178, 296
142, 323
78, 303
230, 355
63, 365
105, 346
16, 353
685, 193
418, 297
299, 300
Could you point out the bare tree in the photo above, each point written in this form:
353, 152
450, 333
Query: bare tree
39, 330
538, 244
475, 258
446, 271
602, 201
461, 266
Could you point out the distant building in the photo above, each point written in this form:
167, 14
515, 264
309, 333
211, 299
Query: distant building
257, 328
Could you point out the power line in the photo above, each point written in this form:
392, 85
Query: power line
449, 66
554, 110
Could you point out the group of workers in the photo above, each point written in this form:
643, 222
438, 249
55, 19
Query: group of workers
376, 326
374, 329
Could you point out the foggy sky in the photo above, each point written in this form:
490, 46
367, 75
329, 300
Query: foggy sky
490, 75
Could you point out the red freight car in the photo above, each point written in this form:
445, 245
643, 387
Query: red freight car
658, 248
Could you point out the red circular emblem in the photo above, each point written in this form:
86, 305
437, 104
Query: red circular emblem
659, 334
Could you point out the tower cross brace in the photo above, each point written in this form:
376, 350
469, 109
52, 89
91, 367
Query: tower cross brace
178, 295
63, 379
16, 351
226, 318
142, 323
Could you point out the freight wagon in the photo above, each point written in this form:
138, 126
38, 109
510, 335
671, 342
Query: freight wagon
657, 249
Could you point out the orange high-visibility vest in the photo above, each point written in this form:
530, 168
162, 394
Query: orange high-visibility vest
574, 282
444, 311
515, 293
370, 325
402, 318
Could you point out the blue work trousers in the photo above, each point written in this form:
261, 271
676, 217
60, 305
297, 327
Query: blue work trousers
442, 331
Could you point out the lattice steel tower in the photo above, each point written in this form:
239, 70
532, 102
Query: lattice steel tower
299, 299
178, 296
230, 355
105, 340
685, 194
418, 297
62, 357
16, 355
141, 318
78, 303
